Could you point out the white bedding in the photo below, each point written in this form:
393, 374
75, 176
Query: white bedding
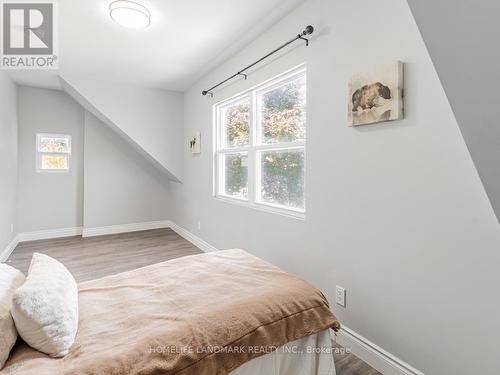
295, 358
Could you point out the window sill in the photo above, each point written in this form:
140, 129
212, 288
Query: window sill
294, 214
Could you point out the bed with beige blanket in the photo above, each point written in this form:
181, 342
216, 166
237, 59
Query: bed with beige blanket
207, 314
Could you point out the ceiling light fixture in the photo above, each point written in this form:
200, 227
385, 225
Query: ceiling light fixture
130, 14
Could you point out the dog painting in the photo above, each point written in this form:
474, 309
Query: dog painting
376, 96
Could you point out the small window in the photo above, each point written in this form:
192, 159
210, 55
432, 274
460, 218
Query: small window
260, 145
53, 152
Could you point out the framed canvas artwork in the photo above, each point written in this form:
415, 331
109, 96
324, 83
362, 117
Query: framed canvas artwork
376, 96
195, 143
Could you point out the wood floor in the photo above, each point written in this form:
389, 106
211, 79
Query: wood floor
349, 364
95, 257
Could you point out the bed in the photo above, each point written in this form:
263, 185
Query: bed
220, 313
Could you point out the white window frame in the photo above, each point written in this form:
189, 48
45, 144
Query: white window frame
255, 147
39, 153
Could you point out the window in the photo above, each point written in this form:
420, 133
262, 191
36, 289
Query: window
53, 152
260, 145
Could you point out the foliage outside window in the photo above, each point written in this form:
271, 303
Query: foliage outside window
53, 152
260, 152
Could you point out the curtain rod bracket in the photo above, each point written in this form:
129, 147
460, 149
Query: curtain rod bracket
307, 31
305, 39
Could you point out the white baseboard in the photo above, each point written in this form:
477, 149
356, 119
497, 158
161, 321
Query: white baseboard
124, 228
4, 255
51, 233
374, 355
195, 240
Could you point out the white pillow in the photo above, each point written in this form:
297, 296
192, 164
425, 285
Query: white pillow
45, 308
10, 280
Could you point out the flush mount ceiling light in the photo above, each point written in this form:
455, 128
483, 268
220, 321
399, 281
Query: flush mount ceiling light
130, 14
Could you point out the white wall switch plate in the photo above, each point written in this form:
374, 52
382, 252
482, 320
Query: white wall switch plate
340, 296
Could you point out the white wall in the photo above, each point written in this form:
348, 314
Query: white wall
49, 200
150, 119
396, 212
8, 156
121, 187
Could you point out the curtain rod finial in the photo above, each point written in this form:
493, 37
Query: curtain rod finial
308, 30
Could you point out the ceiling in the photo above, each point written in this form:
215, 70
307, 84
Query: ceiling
186, 39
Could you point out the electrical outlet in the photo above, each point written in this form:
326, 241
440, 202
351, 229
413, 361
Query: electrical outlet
11, 228
199, 225
340, 296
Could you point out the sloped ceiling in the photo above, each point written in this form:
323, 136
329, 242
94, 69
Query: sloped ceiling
150, 120
463, 39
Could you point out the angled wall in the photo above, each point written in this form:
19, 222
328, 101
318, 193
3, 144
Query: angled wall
396, 212
150, 120
462, 37
120, 186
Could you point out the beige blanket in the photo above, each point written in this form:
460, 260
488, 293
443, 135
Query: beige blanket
199, 315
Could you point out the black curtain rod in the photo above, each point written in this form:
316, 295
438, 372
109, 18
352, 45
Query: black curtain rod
307, 31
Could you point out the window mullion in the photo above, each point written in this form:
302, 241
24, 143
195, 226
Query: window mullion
222, 178
54, 153
251, 152
280, 146
257, 139
219, 171
236, 150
